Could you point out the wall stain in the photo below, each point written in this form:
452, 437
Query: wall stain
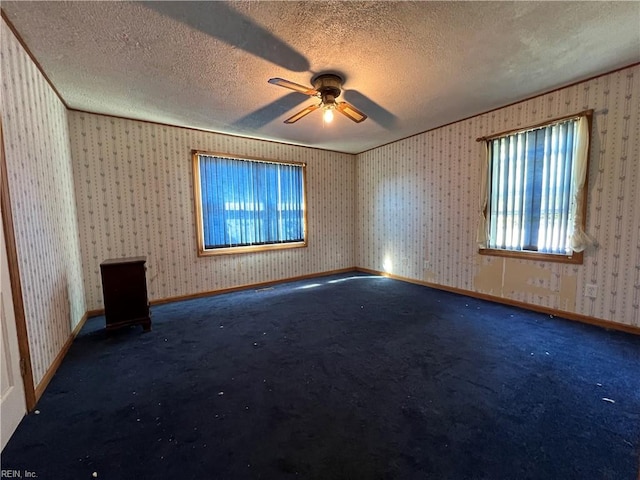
528, 278
509, 278
568, 292
488, 278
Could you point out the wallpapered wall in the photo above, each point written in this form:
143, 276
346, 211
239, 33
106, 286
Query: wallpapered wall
418, 205
135, 197
43, 204
413, 211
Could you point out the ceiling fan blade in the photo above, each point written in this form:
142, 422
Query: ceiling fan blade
351, 112
302, 113
281, 82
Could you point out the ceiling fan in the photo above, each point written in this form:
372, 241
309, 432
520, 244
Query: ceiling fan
327, 87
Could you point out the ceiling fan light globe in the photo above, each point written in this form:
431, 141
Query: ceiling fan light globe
328, 115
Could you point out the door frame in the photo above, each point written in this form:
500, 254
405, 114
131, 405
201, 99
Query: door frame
16, 286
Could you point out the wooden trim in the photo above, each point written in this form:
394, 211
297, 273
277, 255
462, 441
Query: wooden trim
32, 57
514, 303
248, 158
53, 368
577, 82
162, 124
197, 198
249, 248
195, 129
32, 393
547, 92
468, 293
584, 113
257, 286
305, 209
16, 284
575, 257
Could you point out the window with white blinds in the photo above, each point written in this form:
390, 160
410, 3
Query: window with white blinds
247, 204
536, 185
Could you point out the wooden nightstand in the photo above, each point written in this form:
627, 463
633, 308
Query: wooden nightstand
124, 288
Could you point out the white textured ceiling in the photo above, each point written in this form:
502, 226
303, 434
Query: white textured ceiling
411, 66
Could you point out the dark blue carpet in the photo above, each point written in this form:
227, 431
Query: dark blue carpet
340, 377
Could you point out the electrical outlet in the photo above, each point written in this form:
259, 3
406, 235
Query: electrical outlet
591, 290
426, 264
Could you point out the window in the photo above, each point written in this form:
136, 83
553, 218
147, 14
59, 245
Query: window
248, 205
534, 198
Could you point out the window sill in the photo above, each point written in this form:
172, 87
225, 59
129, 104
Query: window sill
249, 249
574, 258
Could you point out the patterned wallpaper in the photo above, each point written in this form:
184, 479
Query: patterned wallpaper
135, 197
43, 204
418, 202
409, 208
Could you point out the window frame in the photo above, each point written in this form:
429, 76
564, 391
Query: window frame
573, 257
197, 197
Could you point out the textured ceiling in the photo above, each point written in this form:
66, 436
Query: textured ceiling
411, 66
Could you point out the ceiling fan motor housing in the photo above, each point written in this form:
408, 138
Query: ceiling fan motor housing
329, 86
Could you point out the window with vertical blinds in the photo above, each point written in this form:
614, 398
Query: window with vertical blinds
534, 199
247, 204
